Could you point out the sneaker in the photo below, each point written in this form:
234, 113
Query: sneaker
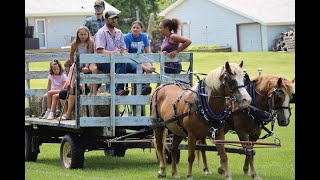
51, 116
146, 90
123, 92
45, 116
40, 117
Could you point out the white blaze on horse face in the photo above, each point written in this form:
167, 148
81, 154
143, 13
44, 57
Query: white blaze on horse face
245, 97
286, 104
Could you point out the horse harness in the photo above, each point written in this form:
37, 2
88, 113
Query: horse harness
202, 106
260, 116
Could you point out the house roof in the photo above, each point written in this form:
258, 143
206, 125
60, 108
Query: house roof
267, 12
44, 8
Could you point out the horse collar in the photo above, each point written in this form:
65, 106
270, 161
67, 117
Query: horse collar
255, 113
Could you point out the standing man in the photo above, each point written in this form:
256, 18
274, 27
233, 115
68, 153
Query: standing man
110, 39
94, 23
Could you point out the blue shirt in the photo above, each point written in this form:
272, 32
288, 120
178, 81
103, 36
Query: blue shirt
132, 42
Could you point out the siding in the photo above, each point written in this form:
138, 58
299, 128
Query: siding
60, 28
220, 23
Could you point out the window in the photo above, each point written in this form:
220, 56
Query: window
41, 33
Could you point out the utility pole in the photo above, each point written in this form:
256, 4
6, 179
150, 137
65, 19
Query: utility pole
137, 13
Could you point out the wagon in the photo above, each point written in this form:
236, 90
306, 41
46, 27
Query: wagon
113, 134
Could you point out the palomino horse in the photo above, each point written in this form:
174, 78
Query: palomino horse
196, 112
271, 97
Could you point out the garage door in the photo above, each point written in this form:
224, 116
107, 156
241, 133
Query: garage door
250, 37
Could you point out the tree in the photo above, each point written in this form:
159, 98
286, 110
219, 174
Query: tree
129, 9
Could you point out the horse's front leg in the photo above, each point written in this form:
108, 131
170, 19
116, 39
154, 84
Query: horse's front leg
254, 173
174, 151
204, 158
159, 134
191, 156
224, 168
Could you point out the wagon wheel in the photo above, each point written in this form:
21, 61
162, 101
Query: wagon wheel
31, 148
71, 152
168, 156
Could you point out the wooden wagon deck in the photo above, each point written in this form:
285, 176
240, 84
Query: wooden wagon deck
54, 122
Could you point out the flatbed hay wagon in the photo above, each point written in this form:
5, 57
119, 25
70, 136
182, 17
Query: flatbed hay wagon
88, 131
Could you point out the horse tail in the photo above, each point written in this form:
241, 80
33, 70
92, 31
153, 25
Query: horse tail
164, 141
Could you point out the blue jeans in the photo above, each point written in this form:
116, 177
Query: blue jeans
173, 67
132, 68
120, 69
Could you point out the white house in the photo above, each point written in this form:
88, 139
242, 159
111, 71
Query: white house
244, 25
56, 21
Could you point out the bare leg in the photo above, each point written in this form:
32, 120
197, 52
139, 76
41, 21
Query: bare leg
55, 98
71, 105
44, 103
64, 105
94, 69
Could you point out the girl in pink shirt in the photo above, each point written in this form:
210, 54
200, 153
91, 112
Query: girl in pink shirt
56, 80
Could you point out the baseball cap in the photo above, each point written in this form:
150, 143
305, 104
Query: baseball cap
99, 2
111, 14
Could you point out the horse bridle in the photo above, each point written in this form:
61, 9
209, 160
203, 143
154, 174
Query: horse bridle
274, 96
228, 80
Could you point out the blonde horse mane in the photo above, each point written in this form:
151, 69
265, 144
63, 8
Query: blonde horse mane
270, 81
213, 79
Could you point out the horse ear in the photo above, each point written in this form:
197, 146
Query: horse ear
241, 64
228, 67
279, 83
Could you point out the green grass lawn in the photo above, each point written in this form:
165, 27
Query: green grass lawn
271, 163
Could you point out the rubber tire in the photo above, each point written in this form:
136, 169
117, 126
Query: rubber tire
71, 144
29, 155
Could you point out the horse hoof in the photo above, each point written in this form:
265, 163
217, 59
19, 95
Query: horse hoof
176, 176
206, 171
221, 170
161, 175
256, 177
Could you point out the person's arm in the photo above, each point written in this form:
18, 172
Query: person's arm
123, 47
185, 42
127, 41
49, 83
72, 51
146, 43
148, 67
91, 51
